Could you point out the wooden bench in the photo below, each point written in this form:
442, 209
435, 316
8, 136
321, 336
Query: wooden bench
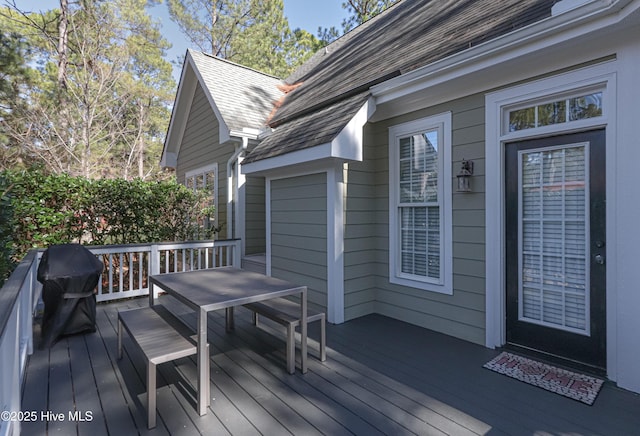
154, 330
287, 313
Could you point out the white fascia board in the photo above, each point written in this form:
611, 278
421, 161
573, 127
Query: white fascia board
179, 114
169, 160
319, 152
347, 145
566, 5
578, 21
244, 133
189, 79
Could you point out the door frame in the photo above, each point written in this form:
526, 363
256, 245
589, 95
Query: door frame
601, 77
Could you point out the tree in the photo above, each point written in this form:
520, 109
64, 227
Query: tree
362, 10
102, 88
14, 77
359, 12
253, 33
211, 25
302, 45
262, 40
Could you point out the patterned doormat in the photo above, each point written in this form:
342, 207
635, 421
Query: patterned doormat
570, 384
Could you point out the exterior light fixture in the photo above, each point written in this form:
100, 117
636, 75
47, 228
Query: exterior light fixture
464, 176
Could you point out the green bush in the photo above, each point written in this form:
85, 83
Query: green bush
6, 229
58, 209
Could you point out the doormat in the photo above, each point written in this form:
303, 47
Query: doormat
567, 383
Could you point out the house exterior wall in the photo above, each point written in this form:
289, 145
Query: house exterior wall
298, 233
255, 216
623, 252
364, 226
367, 285
200, 147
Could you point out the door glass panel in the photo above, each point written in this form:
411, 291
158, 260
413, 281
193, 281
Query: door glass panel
553, 255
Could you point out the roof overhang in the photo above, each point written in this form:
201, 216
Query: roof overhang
346, 146
189, 79
518, 54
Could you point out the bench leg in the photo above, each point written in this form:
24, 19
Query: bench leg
291, 349
254, 318
323, 339
151, 395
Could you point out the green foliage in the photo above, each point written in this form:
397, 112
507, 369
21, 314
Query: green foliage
58, 209
97, 104
14, 77
362, 10
6, 229
253, 33
359, 12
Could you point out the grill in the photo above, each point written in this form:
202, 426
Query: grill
69, 274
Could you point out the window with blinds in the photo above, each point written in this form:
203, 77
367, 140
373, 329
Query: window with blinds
418, 207
553, 237
420, 214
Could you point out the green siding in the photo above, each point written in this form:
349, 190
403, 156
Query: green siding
367, 287
362, 226
254, 215
201, 147
299, 233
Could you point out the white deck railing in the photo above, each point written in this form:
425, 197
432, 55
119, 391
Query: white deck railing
127, 267
126, 273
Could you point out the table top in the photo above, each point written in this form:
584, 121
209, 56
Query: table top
219, 288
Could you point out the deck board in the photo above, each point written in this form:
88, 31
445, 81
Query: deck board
382, 376
86, 400
36, 390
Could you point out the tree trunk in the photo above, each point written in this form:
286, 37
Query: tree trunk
141, 158
62, 43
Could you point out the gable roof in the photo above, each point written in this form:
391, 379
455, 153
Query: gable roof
407, 36
241, 98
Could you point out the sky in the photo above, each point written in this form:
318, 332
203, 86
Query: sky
303, 14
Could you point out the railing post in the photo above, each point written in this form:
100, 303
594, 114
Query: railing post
154, 265
237, 254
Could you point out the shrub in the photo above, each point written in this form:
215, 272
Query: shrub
6, 229
58, 209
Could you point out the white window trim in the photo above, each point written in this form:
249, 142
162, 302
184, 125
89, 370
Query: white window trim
443, 123
203, 170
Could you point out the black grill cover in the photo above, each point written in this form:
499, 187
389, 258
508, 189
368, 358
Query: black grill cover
69, 274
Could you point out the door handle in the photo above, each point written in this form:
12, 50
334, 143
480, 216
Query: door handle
599, 259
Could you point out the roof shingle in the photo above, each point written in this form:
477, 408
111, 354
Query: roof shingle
244, 97
409, 35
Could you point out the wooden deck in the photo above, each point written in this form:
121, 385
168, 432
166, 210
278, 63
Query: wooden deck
381, 376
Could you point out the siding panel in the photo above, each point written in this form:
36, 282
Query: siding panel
255, 215
201, 147
299, 233
367, 232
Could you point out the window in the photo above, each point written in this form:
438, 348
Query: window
558, 111
419, 205
205, 181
